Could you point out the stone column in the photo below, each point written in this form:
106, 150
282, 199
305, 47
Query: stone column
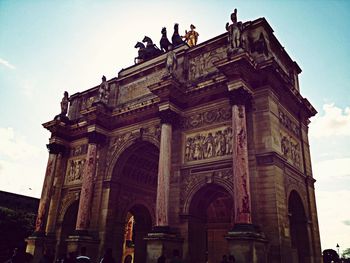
240, 165
164, 168
163, 239
54, 151
86, 194
38, 240
245, 240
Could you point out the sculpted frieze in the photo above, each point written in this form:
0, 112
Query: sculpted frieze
75, 170
117, 141
208, 144
191, 181
288, 123
78, 150
138, 88
290, 149
202, 65
199, 119
87, 102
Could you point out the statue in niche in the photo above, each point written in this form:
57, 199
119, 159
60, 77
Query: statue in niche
191, 37
176, 38
103, 91
171, 61
234, 34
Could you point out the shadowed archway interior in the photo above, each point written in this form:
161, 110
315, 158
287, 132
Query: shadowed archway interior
298, 229
210, 218
136, 174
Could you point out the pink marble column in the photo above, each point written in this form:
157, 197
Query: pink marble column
86, 194
54, 150
164, 168
240, 166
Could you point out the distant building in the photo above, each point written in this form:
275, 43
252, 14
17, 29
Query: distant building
204, 150
17, 217
19, 202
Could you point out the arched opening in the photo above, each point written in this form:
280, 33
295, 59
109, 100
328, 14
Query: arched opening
139, 223
210, 218
68, 226
136, 173
298, 229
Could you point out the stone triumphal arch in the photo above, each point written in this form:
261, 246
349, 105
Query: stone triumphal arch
201, 149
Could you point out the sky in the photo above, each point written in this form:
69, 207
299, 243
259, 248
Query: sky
47, 47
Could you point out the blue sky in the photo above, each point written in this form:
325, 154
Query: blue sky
47, 47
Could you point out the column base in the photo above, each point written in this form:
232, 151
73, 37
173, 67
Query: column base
162, 240
247, 244
37, 243
82, 239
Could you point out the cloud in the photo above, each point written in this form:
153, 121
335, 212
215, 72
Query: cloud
14, 146
330, 169
22, 165
333, 212
6, 64
334, 122
346, 222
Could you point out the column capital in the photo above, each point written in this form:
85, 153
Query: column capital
169, 116
240, 96
96, 137
55, 148
239, 92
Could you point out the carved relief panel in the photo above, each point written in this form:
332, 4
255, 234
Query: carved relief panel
202, 65
211, 144
290, 148
75, 164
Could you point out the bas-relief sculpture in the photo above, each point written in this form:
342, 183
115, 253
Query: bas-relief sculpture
78, 150
202, 65
290, 149
217, 115
289, 124
138, 88
75, 170
208, 144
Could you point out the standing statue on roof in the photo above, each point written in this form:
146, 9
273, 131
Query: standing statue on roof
64, 104
234, 32
191, 37
171, 62
103, 91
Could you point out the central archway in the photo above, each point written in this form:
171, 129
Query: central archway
136, 175
211, 216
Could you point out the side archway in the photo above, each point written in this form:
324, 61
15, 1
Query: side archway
298, 228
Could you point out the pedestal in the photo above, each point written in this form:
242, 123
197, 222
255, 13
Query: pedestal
38, 243
247, 244
162, 241
76, 242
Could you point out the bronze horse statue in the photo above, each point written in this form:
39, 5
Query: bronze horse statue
176, 38
164, 41
141, 52
151, 49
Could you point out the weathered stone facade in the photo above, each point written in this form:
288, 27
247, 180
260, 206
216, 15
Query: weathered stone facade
210, 160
